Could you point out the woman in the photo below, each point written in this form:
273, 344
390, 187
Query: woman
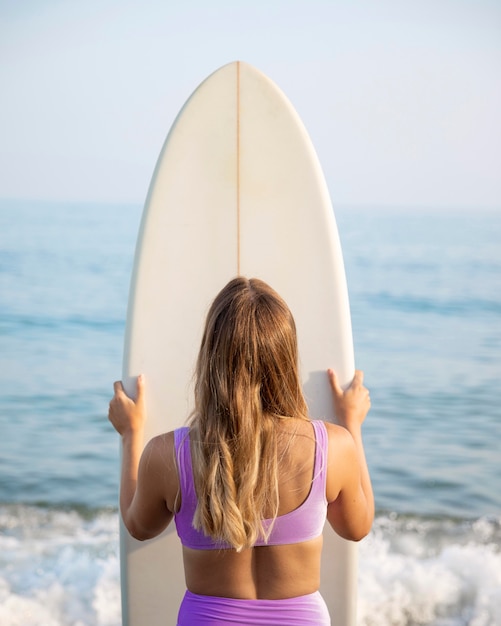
252, 479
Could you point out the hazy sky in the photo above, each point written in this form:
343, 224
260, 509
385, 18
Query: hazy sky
402, 98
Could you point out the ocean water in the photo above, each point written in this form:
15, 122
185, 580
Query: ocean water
425, 290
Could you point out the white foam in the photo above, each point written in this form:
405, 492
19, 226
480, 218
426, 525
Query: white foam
436, 572
58, 568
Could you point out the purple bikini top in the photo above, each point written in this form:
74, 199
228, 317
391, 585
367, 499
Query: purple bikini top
303, 523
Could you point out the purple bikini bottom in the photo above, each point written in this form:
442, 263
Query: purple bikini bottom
306, 610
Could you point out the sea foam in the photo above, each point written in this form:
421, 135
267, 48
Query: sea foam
438, 572
61, 568
58, 568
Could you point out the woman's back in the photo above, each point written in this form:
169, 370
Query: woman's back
258, 572
310, 474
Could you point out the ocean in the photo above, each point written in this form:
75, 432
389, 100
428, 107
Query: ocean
425, 293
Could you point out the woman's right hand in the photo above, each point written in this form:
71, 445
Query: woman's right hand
128, 415
351, 406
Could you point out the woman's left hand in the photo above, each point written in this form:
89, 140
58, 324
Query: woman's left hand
126, 415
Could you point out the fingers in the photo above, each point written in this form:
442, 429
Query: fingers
359, 377
119, 390
127, 413
352, 404
358, 380
118, 393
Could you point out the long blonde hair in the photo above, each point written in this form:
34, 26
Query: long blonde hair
247, 379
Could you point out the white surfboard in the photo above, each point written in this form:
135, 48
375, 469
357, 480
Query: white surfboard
237, 189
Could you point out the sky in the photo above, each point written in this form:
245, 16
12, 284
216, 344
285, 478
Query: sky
402, 98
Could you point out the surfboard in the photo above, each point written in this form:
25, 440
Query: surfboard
237, 190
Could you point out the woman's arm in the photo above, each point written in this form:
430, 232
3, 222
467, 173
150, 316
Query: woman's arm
351, 512
144, 475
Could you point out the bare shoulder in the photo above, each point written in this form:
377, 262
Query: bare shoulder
162, 441
340, 459
159, 457
160, 450
338, 436
342, 449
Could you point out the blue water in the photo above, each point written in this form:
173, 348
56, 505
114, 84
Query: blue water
425, 292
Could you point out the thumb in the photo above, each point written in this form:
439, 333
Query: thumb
334, 382
140, 389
